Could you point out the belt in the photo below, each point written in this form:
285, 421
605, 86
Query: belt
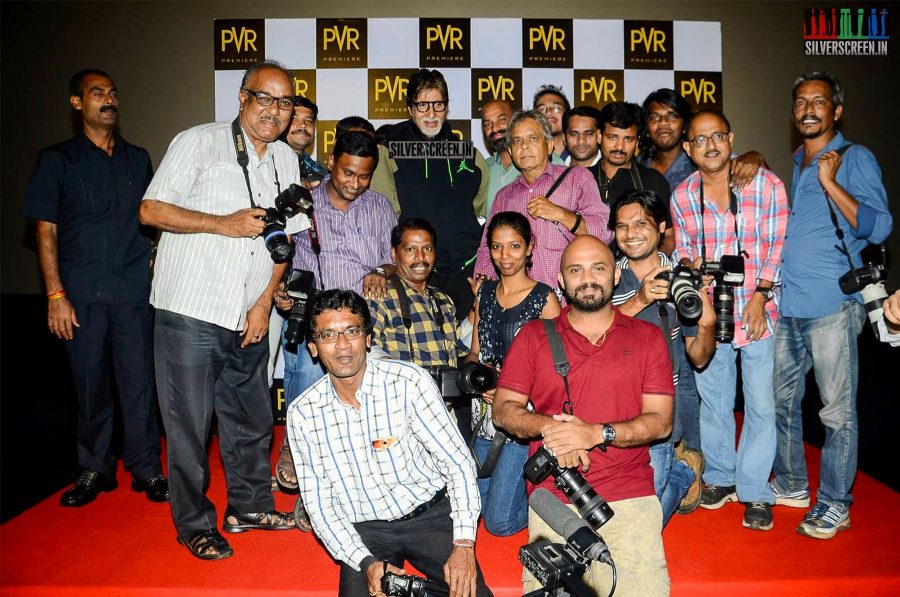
422, 508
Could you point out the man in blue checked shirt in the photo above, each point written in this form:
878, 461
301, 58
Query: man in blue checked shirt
384, 472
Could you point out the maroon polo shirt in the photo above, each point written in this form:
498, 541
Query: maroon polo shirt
606, 384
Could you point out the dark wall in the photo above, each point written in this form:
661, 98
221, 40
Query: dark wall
160, 55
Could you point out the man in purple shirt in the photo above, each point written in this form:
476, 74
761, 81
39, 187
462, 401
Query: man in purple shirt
353, 226
573, 208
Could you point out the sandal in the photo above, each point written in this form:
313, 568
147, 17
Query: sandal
207, 545
301, 518
284, 469
260, 521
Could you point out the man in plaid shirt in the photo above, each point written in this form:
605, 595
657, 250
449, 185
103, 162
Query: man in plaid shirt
713, 219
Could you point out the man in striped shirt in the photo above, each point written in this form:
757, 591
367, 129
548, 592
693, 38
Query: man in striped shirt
384, 473
712, 219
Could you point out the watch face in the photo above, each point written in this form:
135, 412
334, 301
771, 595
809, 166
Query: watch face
609, 434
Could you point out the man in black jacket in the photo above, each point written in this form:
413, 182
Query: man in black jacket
450, 193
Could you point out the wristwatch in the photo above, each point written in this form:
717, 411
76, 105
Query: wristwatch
609, 434
380, 271
767, 293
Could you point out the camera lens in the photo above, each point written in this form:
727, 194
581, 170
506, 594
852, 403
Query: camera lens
723, 304
276, 242
686, 298
592, 508
477, 378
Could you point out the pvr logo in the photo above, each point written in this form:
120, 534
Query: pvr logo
603, 90
393, 86
328, 141
550, 37
500, 88
700, 91
301, 87
244, 39
344, 36
652, 40
448, 36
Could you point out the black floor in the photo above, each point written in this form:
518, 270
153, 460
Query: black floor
38, 415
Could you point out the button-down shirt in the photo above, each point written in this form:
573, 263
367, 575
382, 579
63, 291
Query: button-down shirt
811, 264
211, 277
379, 462
500, 176
93, 198
680, 168
431, 340
353, 241
577, 193
762, 212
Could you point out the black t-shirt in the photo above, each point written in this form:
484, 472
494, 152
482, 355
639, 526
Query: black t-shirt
623, 182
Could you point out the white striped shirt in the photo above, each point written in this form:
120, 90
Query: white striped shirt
381, 462
211, 277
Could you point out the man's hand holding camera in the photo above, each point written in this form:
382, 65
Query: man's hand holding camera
375, 571
243, 223
891, 308
653, 289
570, 439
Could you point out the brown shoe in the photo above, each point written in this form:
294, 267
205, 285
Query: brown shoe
694, 459
285, 473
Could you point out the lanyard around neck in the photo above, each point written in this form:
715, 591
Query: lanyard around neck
732, 207
243, 158
604, 182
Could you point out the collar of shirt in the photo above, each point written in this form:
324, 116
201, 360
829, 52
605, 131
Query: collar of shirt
85, 144
836, 142
550, 173
664, 260
564, 326
568, 160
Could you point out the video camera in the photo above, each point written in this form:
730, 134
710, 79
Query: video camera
729, 273
288, 203
684, 291
300, 286
472, 379
868, 281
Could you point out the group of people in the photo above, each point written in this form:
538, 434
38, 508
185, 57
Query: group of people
574, 227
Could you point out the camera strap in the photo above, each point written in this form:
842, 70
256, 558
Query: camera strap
604, 182
243, 158
405, 311
834, 218
732, 207
315, 245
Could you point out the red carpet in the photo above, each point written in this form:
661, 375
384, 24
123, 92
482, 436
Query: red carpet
124, 545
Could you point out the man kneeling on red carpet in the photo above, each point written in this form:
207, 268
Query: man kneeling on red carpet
383, 470
619, 398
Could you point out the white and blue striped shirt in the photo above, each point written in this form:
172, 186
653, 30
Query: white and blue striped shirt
379, 462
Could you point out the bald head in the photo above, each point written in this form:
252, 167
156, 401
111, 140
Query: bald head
495, 117
587, 273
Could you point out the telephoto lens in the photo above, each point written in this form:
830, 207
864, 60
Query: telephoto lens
723, 305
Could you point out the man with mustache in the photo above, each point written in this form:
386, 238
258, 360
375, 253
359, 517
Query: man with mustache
301, 136
820, 324
84, 195
712, 220
213, 288
620, 393
581, 126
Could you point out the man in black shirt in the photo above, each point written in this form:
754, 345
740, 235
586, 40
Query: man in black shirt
84, 195
617, 173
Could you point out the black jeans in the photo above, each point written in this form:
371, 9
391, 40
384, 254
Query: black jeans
425, 542
201, 369
454, 284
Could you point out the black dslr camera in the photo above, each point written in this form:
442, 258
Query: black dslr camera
411, 586
869, 281
470, 379
300, 286
592, 508
288, 204
684, 291
729, 273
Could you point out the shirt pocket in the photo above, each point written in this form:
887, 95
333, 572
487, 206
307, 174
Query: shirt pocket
97, 195
390, 460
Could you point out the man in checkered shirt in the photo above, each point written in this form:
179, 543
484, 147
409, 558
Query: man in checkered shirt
384, 472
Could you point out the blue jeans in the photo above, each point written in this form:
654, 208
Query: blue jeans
748, 468
300, 371
671, 478
687, 407
504, 505
829, 345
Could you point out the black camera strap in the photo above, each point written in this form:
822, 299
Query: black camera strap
732, 207
243, 158
405, 311
604, 182
834, 218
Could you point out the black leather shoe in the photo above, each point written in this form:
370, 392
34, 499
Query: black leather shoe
157, 488
261, 521
87, 488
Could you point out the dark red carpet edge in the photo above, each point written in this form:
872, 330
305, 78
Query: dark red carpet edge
124, 545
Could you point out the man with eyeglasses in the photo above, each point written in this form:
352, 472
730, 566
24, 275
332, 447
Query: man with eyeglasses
84, 195
713, 219
387, 478
448, 192
212, 288
553, 104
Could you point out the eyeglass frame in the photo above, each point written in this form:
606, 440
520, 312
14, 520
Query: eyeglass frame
289, 105
554, 107
345, 333
432, 105
670, 116
701, 140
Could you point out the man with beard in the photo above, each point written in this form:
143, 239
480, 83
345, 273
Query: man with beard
619, 396
553, 104
495, 117
581, 125
85, 194
448, 192
714, 220
212, 289
836, 184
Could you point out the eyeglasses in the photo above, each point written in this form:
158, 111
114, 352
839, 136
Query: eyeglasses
331, 336
553, 108
655, 117
265, 100
700, 140
438, 106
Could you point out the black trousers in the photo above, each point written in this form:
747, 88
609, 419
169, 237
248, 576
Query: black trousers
201, 369
115, 338
455, 285
425, 542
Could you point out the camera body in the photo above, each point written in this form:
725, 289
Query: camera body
311, 170
466, 381
592, 508
411, 586
684, 291
288, 203
729, 273
869, 281
300, 286
553, 565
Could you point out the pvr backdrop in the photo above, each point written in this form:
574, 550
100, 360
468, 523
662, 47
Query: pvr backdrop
362, 66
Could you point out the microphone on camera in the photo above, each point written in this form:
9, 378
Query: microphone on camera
567, 524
